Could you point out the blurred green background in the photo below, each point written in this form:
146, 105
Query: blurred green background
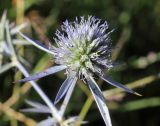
136, 48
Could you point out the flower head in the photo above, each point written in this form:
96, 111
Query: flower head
83, 46
83, 49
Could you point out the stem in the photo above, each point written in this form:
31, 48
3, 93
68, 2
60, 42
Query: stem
41, 93
1, 55
7, 110
6, 67
85, 107
67, 98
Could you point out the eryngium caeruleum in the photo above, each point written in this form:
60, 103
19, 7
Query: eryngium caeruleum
84, 50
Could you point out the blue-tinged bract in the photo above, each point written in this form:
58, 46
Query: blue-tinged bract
83, 46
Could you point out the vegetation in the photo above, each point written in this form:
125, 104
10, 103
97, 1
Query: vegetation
136, 52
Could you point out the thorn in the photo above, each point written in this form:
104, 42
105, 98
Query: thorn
137, 94
55, 102
18, 81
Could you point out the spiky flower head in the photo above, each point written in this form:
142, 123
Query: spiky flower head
83, 46
83, 49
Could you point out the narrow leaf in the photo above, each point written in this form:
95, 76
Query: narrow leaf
3, 19
64, 88
73, 121
37, 44
2, 25
35, 104
6, 67
47, 72
99, 98
37, 107
9, 40
18, 28
1, 58
20, 42
6, 49
67, 98
46, 122
36, 110
116, 84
